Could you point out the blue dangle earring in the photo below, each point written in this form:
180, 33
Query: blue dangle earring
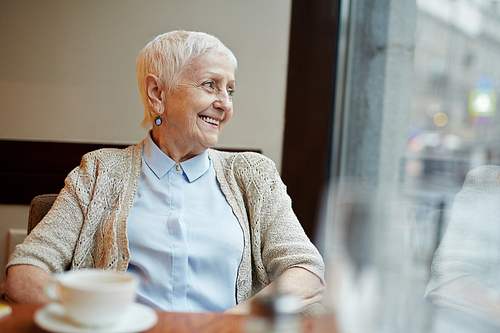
158, 121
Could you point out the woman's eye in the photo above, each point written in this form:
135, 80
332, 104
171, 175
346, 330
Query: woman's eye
209, 84
230, 92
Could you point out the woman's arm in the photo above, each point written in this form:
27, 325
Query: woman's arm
25, 284
282, 254
469, 295
298, 281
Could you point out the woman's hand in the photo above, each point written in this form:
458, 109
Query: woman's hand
25, 284
297, 281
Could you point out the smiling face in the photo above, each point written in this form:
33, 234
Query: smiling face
198, 108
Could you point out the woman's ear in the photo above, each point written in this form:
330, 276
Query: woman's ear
155, 93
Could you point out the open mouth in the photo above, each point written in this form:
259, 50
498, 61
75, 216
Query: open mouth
210, 120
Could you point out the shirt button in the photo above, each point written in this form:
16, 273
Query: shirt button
177, 167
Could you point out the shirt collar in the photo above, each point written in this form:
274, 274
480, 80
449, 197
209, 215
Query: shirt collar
196, 167
161, 164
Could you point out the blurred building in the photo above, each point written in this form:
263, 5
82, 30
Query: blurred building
456, 81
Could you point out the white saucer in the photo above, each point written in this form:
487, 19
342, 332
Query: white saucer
136, 318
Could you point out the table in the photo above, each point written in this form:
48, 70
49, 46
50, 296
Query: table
21, 321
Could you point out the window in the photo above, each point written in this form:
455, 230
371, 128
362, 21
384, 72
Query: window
416, 110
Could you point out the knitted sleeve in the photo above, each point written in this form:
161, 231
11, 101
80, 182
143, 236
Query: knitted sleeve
278, 239
470, 245
51, 244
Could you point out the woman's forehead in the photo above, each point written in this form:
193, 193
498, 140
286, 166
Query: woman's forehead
211, 63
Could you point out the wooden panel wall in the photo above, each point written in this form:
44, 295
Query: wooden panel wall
309, 105
29, 168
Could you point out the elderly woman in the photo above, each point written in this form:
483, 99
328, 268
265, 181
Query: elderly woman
203, 230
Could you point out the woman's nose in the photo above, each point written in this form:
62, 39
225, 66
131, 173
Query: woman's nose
224, 102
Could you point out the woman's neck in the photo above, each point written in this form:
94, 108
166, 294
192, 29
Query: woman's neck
177, 150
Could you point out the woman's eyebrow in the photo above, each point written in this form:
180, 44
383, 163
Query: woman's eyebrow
215, 73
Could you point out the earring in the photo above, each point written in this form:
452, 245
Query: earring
158, 121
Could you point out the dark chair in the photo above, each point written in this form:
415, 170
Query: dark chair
39, 207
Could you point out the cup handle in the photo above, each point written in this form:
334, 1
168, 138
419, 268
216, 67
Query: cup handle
52, 288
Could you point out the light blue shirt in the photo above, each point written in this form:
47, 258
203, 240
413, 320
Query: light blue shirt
185, 242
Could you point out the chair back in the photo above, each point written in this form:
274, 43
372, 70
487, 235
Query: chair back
39, 207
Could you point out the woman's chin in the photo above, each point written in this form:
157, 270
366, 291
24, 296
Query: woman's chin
210, 142
209, 146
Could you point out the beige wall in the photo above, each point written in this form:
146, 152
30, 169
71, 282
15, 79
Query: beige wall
68, 71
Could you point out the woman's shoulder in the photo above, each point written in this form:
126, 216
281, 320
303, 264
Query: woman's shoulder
247, 168
246, 159
483, 175
105, 154
485, 170
111, 157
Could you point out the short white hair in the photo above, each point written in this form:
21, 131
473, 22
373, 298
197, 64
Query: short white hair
168, 56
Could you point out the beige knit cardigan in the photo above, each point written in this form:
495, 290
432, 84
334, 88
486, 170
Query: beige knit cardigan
87, 225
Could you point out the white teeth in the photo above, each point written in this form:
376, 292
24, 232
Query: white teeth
209, 120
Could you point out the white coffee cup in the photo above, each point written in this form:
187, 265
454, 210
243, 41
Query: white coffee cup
93, 297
